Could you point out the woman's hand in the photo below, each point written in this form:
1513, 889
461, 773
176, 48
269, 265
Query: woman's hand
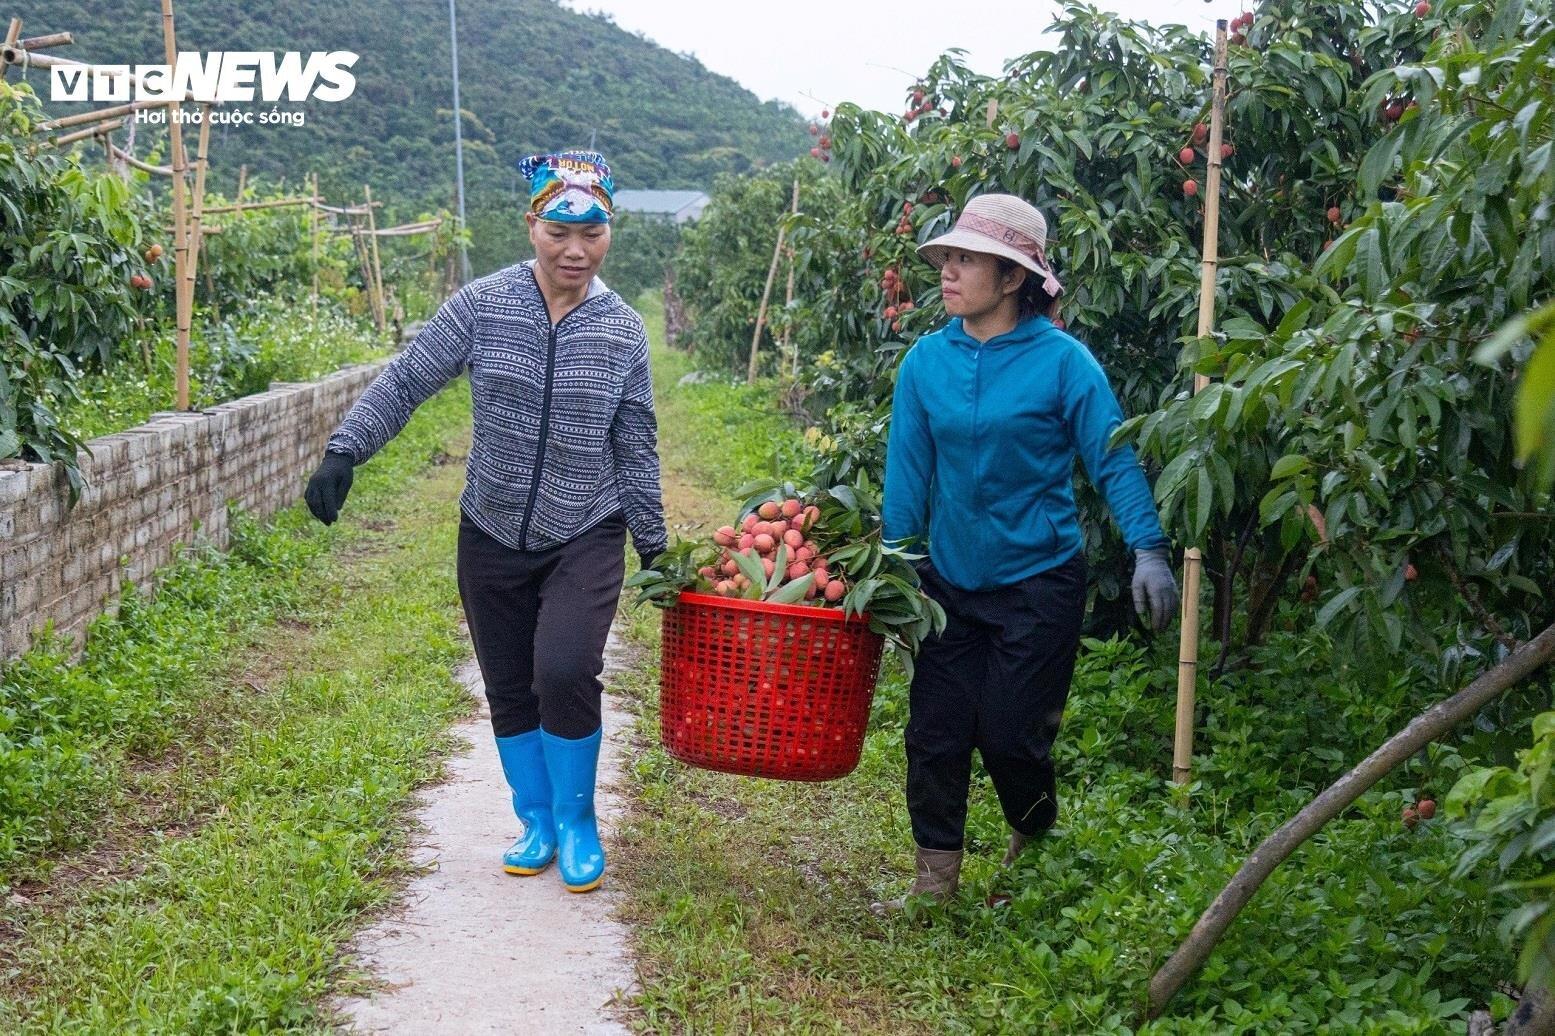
1155, 590
327, 489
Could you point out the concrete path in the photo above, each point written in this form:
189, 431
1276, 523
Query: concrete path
473, 950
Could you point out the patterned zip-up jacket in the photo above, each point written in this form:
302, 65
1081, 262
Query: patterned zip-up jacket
565, 433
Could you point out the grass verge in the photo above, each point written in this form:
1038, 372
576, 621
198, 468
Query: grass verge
217, 788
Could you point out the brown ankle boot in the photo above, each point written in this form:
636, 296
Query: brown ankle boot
938, 875
1018, 842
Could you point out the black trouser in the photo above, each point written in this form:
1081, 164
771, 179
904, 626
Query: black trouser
539, 619
996, 680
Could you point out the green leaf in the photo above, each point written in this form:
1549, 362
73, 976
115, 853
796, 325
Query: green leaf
792, 593
1336, 603
779, 567
1288, 465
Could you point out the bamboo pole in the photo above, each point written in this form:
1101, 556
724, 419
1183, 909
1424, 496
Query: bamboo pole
399, 231
788, 299
12, 34
314, 218
181, 302
372, 231
277, 203
766, 295
1193, 560
361, 259
101, 113
125, 156
53, 39
348, 210
200, 162
90, 131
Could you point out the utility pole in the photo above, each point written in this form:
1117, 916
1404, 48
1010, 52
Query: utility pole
453, 33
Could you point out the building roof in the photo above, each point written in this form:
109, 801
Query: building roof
679, 205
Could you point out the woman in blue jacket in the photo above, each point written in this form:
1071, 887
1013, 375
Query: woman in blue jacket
990, 412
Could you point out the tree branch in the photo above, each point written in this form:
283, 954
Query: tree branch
1423, 729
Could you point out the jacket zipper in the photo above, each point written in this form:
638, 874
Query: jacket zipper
545, 423
977, 394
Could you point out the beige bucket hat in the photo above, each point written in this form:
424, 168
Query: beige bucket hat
1002, 225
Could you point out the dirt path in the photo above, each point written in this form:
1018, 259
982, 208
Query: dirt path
474, 950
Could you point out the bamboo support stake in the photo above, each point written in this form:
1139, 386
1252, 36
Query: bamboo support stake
314, 218
347, 210
126, 157
766, 296
372, 232
362, 262
277, 203
200, 162
12, 34
1193, 560
90, 131
101, 113
788, 300
181, 302
53, 39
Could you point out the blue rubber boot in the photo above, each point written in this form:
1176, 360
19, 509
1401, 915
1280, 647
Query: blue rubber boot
523, 764
571, 765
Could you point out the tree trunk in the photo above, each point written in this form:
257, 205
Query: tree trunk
1422, 730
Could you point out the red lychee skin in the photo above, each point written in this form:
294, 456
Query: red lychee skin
764, 543
1426, 808
835, 590
794, 538
725, 536
769, 510
798, 570
1186, 156
791, 508
750, 521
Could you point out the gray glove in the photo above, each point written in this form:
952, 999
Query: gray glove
1156, 598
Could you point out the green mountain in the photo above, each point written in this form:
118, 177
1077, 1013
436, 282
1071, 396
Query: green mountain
533, 76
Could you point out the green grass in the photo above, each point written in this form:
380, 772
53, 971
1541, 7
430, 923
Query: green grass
749, 897
241, 752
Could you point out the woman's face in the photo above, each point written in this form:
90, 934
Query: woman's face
973, 284
569, 254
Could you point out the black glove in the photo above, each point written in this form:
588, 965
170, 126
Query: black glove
328, 487
646, 559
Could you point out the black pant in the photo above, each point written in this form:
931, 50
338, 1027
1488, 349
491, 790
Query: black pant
539, 619
995, 680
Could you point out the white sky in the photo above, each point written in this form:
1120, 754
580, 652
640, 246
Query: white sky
814, 53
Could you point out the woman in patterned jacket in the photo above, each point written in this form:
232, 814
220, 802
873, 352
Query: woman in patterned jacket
562, 465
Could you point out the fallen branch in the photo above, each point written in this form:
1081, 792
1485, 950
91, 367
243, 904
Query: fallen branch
1422, 730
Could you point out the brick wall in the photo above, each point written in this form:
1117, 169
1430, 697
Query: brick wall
148, 488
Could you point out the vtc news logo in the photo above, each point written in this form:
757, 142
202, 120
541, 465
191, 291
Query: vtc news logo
216, 76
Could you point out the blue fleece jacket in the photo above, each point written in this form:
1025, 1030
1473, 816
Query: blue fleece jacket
980, 458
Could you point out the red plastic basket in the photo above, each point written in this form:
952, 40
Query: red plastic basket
766, 690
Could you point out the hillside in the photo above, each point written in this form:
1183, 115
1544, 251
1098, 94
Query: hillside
533, 76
